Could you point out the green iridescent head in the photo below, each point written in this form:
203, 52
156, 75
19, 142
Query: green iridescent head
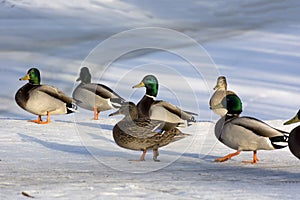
233, 104
33, 76
151, 84
294, 119
85, 75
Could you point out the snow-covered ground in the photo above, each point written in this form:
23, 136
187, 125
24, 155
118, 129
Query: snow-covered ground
254, 43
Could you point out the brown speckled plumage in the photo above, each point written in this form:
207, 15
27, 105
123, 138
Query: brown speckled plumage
140, 134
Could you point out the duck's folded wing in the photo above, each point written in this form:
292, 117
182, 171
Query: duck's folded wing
55, 93
101, 90
258, 127
186, 115
106, 91
98, 89
142, 129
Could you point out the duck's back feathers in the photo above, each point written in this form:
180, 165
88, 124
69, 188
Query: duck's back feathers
106, 92
185, 115
92, 95
258, 127
61, 96
140, 129
100, 90
164, 111
55, 93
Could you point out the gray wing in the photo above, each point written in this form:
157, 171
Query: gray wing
55, 92
185, 115
101, 90
258, 127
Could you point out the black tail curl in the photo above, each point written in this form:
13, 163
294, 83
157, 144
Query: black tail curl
71, 108
279, 142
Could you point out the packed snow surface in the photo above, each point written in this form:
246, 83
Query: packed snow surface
186, 45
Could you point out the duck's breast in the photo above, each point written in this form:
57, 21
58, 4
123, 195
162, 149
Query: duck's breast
22, 94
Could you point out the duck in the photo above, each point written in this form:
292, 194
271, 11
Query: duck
294, 137
93, 96
150, 108
42, 100
142, 134
244, 133
219, 94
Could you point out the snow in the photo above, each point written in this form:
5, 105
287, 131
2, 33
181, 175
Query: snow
186, 44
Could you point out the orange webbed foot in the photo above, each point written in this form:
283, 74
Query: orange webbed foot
223, 159
255, 159
227, 157
40, 121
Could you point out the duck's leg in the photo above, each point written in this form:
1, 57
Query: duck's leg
48, 119
255, 159
227, 157
155, 154
39, 120
142, 156
96, 114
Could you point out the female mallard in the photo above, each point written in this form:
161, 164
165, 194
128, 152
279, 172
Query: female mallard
93, 96
219, 94
42, 100
294, 137
246, 133
148, 107
141, 134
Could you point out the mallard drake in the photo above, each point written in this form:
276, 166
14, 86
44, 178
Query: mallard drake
94, 96
42, 100
294, 137
246, 133
149, 107
141, 134
219, 94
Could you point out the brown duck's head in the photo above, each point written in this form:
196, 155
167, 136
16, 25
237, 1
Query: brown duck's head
85, 75
128, 109
221, 83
